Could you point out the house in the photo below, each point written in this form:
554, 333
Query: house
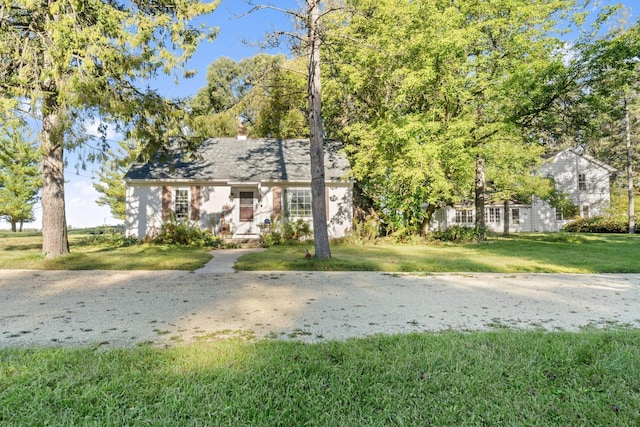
585, 180
235, 186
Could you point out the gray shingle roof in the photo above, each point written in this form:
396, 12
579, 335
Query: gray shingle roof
254, 160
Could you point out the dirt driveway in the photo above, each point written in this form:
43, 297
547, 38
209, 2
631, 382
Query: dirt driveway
124, 308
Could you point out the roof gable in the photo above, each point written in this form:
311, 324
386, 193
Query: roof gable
252, 160
587, 157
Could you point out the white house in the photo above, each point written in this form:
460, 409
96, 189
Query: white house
584, 179
235, 186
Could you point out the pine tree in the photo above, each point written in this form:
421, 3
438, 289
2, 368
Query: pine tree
20, 179
67, 61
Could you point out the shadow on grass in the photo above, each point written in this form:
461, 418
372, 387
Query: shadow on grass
527, 253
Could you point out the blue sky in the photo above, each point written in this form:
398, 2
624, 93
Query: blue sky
235, 32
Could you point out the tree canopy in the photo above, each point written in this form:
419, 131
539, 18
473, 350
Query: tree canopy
69, 62
424, 91
264, 92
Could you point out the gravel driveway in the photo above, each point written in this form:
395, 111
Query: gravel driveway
124, 308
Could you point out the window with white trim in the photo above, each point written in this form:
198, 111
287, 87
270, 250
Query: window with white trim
492, 215
181, 203
582, 182
559, 215
299, 202
585, 211
515, 216
464, 216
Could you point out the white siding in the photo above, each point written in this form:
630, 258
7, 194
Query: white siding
565, 168
144, 207
144, 210
340, 210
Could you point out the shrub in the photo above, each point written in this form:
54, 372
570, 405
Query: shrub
185, 233
458, 233
108, 235
282, 230
598, 224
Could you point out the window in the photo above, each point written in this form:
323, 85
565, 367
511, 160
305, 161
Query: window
559, 216
299, 202
515, 216
181, 204
582, 182
492, 215
585, 211
464, 216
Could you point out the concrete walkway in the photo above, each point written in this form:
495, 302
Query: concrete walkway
224, 259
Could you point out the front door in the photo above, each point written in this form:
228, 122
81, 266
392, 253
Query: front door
246, 224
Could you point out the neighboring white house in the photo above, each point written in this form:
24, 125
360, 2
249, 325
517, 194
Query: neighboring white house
584, 179
236, 186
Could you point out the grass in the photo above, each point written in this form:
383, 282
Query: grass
504, 377
90, 252
452, 378
522, 253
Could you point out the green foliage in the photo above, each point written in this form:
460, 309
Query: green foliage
266, 92
76, 65
562, 202
431, 86
282, 230
598, 224
111, 178
175, 232
20, 175
113, 236
458, 233
366, 230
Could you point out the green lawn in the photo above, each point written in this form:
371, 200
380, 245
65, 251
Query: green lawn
522, 253
453, 378
97, 252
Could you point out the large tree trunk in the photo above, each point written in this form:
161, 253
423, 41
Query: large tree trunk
13, 226
479, 193
505, 229
54, 223
424, 227
316, 138
632, 208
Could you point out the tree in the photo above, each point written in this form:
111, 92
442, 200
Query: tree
20, 179
279, 102
613, 92
311, 21
425, 90
73, 62
111, 178
266, 92
502, 160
